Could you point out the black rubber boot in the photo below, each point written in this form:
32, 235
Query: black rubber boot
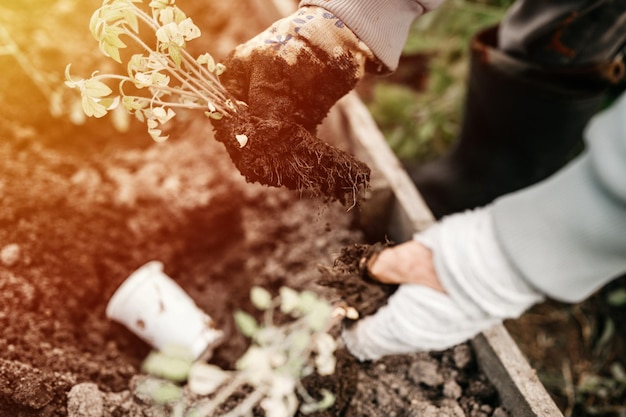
521, 124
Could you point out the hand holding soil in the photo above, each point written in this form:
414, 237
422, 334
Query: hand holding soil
290, 76
407, 263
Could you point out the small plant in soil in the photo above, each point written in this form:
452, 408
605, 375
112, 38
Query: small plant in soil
163, 78
292, 341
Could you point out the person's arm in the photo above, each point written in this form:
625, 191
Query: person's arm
567, 235
457, 283
564, 238
289, 76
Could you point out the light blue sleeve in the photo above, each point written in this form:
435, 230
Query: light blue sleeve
567, 234
382, 25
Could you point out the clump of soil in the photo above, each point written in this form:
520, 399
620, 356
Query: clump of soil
283, 154
349, 277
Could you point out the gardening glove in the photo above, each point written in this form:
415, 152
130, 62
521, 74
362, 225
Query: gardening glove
475, 287
298, 68
290, 76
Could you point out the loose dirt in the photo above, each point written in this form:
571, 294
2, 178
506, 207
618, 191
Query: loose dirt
84, 206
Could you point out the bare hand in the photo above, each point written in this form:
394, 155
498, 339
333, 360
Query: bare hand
407, 263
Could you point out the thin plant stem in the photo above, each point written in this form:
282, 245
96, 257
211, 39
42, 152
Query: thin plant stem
168, 66
250, 401
215, 96
222, 395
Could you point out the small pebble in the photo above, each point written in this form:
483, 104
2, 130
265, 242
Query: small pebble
423, 409
10, 254
452, 390
427, 373
462, 356
500, 412
451, 408
85, 400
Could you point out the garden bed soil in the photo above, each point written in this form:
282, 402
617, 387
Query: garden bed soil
79, 215
85, 206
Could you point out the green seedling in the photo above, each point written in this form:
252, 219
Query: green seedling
159, 80
270, 372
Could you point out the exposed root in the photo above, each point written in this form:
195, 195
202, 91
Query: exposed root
285, 154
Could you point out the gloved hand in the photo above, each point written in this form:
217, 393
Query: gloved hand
455, 283
290, 76
298, 68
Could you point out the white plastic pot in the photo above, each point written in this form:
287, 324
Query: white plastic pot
155, 308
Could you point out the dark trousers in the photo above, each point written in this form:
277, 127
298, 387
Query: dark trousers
556, 33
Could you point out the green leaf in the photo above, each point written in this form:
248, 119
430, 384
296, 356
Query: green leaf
96, 89
617, 298
110, 42
110, 103
307, 302
131, 19
318, 316
161, 392
92, 108
289, 300
208, 60
132, 103
163, 365
299, 341
111, 51
246, 323
158, 4
95, 23
260, 297
204, 378
157, 135
327, 401
214, 115
219, 69
175, 53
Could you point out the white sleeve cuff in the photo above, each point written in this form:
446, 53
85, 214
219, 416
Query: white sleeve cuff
382, 25
474, 270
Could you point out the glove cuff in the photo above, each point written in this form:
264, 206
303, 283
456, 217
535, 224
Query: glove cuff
312, 28
383, 25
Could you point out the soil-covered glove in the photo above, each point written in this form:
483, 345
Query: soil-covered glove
479, 288
290, 75
297, 69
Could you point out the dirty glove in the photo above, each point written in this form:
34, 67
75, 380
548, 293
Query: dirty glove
479, 288
290, 76
298, 68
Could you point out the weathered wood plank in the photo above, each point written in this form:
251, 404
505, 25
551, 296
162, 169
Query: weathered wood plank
507, 368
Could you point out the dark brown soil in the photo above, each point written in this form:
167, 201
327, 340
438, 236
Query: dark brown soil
283, 154
83, 207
